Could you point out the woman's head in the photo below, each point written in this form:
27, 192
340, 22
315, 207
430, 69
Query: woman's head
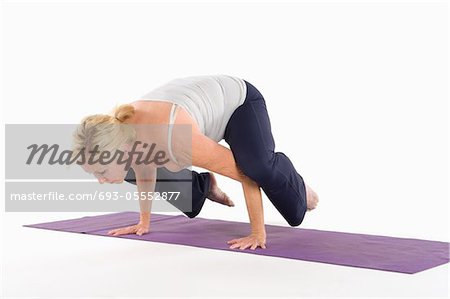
102, 132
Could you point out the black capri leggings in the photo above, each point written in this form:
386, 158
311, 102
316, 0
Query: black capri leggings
249, 136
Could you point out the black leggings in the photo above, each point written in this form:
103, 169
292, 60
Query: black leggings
167, 181
249, 136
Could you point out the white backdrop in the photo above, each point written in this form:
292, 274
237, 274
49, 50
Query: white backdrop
357, 92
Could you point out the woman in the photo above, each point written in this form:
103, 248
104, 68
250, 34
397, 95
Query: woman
215, 107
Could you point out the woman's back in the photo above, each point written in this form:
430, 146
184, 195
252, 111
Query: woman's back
209, 100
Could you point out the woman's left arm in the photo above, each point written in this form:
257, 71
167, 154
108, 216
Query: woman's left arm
253, 199
208, 154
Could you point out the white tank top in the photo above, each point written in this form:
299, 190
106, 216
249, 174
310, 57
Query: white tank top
210, 100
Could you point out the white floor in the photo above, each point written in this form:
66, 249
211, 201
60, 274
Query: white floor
43, 263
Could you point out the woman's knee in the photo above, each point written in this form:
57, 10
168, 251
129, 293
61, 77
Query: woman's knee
297, 219
290, 203
296, 215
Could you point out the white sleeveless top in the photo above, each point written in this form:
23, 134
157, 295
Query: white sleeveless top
210, 100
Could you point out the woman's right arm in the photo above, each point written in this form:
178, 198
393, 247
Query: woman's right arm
145, 181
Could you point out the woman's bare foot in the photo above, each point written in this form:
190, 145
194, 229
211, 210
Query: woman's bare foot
216, 194
312, 199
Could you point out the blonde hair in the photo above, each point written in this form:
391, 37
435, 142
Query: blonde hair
106, 131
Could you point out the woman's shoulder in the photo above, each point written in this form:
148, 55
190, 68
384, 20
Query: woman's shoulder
149, 112
157, 112
149, 104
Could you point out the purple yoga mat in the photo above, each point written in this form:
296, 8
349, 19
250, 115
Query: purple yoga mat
348, 249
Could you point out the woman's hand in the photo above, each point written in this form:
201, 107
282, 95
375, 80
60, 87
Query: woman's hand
253, 241
138, 229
